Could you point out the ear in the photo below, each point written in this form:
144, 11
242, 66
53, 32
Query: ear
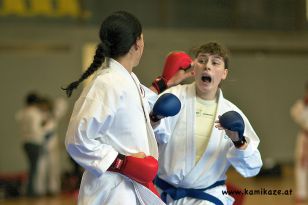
135, 46
139, 42
225, 74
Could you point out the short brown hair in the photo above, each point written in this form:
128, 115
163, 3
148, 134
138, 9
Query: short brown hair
214, 48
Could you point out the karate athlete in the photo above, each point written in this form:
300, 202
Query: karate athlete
195, 147
109, 133
49, 168
299, 113
32, 131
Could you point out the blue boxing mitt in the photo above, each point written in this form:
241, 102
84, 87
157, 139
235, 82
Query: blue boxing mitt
166, 105
233, 121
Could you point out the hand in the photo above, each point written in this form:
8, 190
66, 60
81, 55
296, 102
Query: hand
180, 76
233, 135
167, 105
176, 63
233, 125
139, 155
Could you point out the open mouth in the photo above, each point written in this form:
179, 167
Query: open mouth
206, 78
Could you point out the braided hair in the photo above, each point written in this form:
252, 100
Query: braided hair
118, 33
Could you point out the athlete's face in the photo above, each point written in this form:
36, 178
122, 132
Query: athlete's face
209, 72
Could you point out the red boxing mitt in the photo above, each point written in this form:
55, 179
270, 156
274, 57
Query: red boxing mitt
142, 170
175, 61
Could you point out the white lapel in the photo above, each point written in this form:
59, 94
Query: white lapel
145, 196
151, 137
190, 127
211, 153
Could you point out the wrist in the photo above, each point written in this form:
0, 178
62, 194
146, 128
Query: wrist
155, 118
160, 84
118, 163
240, 143
170, 84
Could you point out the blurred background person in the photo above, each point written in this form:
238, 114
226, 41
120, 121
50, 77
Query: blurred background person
299, 113
49, 169
32, 130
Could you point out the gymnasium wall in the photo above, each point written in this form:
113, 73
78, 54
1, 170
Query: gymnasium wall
267, 74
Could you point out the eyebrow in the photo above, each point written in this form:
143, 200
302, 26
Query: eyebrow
202, 55
218, 57
213, 55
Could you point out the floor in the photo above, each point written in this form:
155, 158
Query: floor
264, 185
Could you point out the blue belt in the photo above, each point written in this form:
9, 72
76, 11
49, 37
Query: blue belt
178, 192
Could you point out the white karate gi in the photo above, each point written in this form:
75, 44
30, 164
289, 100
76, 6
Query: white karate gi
30, 119
111, 117
177, 150
49, 169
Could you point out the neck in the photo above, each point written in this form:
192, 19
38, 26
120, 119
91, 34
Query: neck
127, 62
211, 95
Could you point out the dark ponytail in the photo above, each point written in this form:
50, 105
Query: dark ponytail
118, 33
98, 60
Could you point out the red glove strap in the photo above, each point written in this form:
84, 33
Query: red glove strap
239, 143
160, 84
118, 163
